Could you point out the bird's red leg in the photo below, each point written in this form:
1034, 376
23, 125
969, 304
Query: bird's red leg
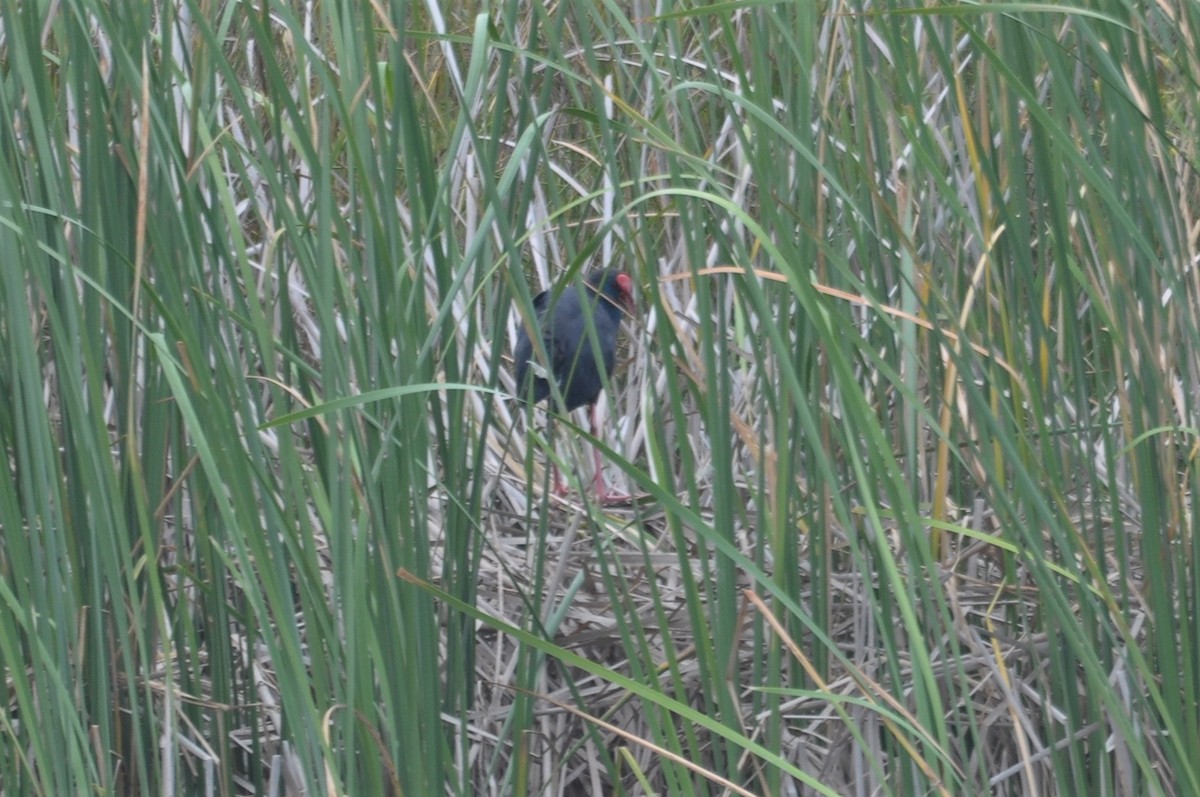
602, 493
560, 486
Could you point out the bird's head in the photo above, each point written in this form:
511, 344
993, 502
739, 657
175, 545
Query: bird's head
615, 286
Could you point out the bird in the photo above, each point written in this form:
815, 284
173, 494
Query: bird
572, 351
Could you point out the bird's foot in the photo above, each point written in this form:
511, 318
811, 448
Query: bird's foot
607, 497
614, 499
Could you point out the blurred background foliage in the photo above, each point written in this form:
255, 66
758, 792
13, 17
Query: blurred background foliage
910, 400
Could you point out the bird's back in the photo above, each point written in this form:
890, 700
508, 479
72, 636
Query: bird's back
523, 353
571, 350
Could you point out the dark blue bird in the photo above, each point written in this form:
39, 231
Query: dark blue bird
572, 351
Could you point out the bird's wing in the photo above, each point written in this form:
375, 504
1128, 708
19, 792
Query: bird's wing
562, 351
564, 336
